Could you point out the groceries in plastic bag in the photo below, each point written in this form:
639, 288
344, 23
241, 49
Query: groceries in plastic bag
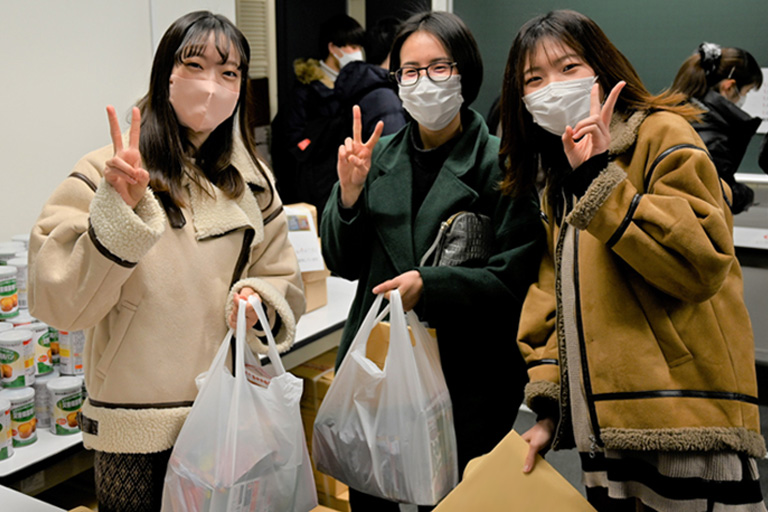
242, 448
389, 432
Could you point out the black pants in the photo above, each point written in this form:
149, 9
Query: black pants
130, 482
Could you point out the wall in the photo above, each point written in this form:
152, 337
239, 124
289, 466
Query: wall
63, 63
655, 35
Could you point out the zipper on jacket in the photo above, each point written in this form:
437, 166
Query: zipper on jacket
560, 347
595, 438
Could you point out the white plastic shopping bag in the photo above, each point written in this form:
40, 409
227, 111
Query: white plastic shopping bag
389, 433
242, 448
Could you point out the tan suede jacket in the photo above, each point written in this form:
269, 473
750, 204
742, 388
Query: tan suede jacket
669, 355
153, 295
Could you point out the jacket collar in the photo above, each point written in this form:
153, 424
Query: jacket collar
624, 131
213, 214
390, 194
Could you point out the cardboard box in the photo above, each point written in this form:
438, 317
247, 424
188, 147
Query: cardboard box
317, 374
340, 503
330, 486
315, 286
321, 508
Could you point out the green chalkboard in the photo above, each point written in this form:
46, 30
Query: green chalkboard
655, 35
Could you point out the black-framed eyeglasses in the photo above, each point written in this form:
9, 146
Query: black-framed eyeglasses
437, 72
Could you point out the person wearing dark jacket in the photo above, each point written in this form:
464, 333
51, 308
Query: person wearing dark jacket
387, 208
717, 80
370, 87
301, 137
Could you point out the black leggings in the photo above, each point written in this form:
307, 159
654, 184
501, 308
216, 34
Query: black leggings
130, 482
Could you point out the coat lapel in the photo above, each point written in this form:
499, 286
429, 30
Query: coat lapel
390, 196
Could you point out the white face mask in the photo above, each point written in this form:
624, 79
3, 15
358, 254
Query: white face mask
346, 58
560, 104
740, 102
433, 104
201, 105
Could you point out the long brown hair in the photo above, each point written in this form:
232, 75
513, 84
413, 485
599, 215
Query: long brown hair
164, 145
710, 65
523, 143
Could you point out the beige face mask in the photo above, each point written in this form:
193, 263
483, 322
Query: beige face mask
201, 105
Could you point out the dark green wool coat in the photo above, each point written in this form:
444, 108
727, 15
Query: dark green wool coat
475, 310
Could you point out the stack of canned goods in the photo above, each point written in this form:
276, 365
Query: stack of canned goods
40, 368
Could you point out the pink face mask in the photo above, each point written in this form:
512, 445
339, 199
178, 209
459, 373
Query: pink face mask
201, 105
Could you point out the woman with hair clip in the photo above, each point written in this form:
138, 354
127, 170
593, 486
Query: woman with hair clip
637, 340
717, 80
148, 245
386, 210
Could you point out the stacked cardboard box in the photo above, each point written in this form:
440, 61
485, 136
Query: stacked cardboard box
315, 282
318, 375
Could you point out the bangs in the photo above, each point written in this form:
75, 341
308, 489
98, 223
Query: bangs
196, 40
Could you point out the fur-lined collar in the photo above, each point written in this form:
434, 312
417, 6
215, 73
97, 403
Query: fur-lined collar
309, 70
624, 131
213, 214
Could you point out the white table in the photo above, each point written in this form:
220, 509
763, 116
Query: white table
46, 446
16, 501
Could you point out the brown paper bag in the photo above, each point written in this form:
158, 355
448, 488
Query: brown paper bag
496, 483
378, 343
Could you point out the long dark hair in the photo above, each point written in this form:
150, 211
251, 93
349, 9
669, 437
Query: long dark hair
523, 143
710, 65
164, 145
458, 41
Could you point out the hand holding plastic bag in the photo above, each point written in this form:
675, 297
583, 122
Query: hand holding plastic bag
389, 433
242, 448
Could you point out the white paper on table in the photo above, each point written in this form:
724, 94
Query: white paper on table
303, 237
756, 103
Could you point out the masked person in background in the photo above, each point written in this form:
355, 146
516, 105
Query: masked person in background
638, 343
305, 133
148, 245
717, 81
387, 208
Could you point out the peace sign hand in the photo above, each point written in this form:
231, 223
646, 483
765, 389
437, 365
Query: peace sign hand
593, 133
123, 171
355, 159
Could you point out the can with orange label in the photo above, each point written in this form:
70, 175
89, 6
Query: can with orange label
17, 358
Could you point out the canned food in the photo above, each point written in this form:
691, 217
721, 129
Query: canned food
21, 279
9, 295
41, 341
54, 333
23, 421
43, 398
6, 436
66, 401
71, 346
5, 326
22, 319
17, 358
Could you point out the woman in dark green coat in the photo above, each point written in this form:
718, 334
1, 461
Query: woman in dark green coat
386, 210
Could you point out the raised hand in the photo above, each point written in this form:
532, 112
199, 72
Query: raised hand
591, 136
355, 159
123, 171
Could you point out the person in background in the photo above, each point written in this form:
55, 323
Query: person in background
386, 210
717, 80
305, 136
369, 85
762, 159
638, 343
148, 245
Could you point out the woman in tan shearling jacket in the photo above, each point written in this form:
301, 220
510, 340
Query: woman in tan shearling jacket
636, 336
151, 273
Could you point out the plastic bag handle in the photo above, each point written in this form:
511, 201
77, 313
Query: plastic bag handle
274, 355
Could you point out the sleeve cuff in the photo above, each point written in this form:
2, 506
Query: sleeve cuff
125, 233
284, 329
578, 180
